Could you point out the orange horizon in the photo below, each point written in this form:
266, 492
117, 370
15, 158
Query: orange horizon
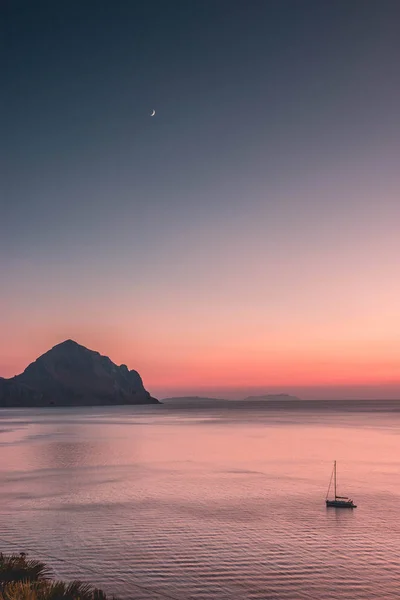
263, 368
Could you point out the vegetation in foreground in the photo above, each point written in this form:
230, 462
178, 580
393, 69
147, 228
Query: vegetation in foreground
24, 579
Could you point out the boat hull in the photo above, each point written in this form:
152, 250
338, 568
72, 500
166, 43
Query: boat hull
341, 504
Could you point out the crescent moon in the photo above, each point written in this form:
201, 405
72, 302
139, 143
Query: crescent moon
153, 113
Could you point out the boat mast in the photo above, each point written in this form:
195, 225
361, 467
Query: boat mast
335, 477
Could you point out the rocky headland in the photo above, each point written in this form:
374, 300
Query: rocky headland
71, 375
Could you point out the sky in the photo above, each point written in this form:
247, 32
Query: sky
245, 238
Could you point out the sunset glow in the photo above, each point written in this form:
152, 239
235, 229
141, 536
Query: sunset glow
245, 237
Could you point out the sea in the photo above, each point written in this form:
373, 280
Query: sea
207, 502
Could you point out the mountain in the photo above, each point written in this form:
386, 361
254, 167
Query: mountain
71, 375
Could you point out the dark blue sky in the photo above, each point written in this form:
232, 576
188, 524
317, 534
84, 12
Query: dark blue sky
276, 139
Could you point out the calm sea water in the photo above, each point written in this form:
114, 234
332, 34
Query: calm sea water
161, 502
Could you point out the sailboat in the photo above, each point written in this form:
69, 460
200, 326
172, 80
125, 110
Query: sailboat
339, 501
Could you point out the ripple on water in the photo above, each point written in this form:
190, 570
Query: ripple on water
206, 512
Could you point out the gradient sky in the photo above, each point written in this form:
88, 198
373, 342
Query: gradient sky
245, 238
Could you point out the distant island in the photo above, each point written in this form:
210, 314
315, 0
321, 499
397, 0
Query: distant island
194, 399
202, 401
273, 397
71, 375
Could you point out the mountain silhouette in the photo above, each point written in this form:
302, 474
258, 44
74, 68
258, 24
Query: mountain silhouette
71, 375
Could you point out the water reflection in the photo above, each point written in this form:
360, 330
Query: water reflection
216, 507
